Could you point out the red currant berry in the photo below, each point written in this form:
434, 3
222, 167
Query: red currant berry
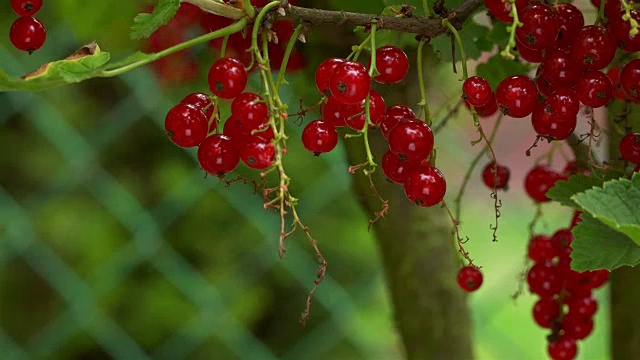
250, 109
350, 82
544, 88
240, 134
541, 249
203, 103
217, 155
538, 180
560, 70
593, 47
548, 124
319, 137
393, 116
544, 279
425, 186
529, 54
335, 113
630, 79
584, 306
392, 64
576, 326
495, 176
594, 89
489, 109
620, 32
477, 91
26, 7
395, 169
27, 34
564, 102
469, 278
575, 220
356, 115
186, 125
501, 9
630, 148
411, 140
571, 20
323, 74
614, 75
517, 96
539, 27
257, 153
611, 7
227, 78
597, 278
561, 241
562, 349
546, 311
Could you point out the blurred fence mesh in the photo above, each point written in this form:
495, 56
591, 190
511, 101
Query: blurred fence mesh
112, 245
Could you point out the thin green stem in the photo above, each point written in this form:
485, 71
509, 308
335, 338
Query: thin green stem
367, 105
423, 90
248, 8
506, 52
600, 12
425, 6
463, 55
627, 17
256, 28
356, 50
231, 29
287, 54
223, 48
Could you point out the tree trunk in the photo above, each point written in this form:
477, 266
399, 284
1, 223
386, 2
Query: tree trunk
625, 292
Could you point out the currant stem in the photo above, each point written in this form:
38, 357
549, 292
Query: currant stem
506, 52
456, 234
231, 29
248, 9
627, 17
600, 17
256, 28
423, 91
367, 105
287, 54
425, 6
355, 52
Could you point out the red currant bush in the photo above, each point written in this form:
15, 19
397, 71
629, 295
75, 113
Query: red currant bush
227, 78
570, 21
393, 116
538, 180
323, 75
27, 34
496, 175
396, 169
217, 155
319, 137
517, 96
546, 311
392, 65
594, 89
350, 82
186, 125
425, 186
250, 109
621, 31
476, 91
26, 7
501, 9
411, 140
630, 148
630, 79
257, 153
593, 47
539, 27
541, 249
469, 278
564, 348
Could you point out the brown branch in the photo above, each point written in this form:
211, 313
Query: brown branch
430, 27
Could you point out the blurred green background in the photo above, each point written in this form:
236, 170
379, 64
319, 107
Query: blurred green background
113, 244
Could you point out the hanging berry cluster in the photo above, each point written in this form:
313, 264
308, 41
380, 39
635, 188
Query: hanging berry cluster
27, 33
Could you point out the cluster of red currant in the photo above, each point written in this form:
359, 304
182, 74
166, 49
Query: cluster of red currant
566, 304
246, 134
27, 33
347, 86
571, 57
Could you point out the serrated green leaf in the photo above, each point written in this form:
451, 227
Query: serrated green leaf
145, 24
498, 33
598, 246
565, 189
497, 68
474, 41
617, 204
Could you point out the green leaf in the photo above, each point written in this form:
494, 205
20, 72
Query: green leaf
498, 68
145, 24
617, 204
474, 41
597, 246
565, 189
498, 33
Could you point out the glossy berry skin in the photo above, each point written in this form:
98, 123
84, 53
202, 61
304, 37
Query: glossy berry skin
517, 96
395, 169
630, 79
619, 29
544, 279
217, 155
576, 326
597, 278
26, 7
489, 109
227, 78
561, 241
550, 125
27, 34
393, 116
546, 311
630, 148
585, 306
562, 349
501, 9
257, 153
335, 113
564, 103
560, 70
250, 109
476, 91
240, 134
425, 186
611, 7
356, 115
570, 21
392, 63
594, 89
541, 249
529, 54
202, 102
469, 278
538, 180
540, 26
411, 140
499, 180
323, 74
544, 88
350, 82
593, 47
186, 126
319, 137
